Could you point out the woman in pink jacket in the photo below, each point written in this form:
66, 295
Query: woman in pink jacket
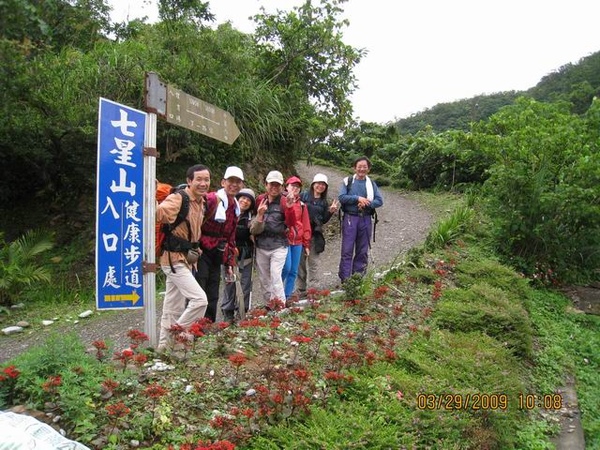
298, 236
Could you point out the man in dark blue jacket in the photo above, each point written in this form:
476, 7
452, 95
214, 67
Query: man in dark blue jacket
359, 197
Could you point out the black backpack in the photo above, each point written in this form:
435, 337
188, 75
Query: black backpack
165, 240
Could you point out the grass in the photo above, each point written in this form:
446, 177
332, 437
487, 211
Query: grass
395, 362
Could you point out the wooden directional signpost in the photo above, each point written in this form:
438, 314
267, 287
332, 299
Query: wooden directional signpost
178, 108
197, 115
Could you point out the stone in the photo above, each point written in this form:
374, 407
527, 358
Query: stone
47, 322
22, 323
12, 330
85, 314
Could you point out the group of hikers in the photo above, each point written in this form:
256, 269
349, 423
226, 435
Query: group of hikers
229, 232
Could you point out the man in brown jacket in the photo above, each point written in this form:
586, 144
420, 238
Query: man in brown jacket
177, 264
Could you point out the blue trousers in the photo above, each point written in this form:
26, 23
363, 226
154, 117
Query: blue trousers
356, 236
290, 269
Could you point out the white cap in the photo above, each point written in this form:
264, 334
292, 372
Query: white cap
320, 178
233, 171
274, 176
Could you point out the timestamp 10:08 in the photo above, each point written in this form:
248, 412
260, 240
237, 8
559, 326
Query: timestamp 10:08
478, 401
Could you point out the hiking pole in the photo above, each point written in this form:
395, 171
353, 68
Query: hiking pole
239, 293
253, 262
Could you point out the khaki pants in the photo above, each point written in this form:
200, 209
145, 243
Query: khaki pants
181, 286
269, 265
308, 272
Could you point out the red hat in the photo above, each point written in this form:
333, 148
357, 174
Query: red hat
294, 180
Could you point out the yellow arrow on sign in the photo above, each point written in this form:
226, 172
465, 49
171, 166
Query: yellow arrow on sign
133, 297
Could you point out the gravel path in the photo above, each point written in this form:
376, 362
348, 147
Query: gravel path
403, 223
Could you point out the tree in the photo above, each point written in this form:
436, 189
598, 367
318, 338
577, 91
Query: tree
303, 53
543, 189
193, 12
55, 23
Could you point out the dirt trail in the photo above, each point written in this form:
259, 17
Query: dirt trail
403, 224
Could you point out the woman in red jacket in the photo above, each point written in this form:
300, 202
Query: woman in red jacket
298, 236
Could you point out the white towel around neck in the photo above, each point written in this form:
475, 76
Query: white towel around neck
220, 215
368, 185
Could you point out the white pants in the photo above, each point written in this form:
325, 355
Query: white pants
269, 264
181, 287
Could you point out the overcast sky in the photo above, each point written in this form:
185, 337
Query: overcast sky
424, 52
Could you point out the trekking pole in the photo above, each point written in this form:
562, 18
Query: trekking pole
239, 293
253, 262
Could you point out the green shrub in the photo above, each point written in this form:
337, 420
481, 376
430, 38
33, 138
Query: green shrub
543, 190
488, 310
485, 270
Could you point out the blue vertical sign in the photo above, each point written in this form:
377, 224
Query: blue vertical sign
119, 206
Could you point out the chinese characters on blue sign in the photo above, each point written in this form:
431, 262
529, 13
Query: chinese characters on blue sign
119, 207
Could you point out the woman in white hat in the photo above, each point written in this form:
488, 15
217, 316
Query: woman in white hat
244, 242
319, 212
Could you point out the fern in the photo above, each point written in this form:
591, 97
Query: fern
18, 265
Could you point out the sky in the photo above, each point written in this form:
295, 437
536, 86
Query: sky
424, 52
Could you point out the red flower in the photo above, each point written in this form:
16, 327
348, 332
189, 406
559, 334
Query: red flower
248, 412
127, 353
100, 345
11, 372
51, 384
197, 329
137, 336
277, 397
140, 359
118, 409
380, 292
301, 374
335, 376
301, 339
154, 391
110, 385
221, 422
219, 445
237, 359
390, 355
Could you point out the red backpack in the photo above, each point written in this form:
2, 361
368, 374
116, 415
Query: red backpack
163, 190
